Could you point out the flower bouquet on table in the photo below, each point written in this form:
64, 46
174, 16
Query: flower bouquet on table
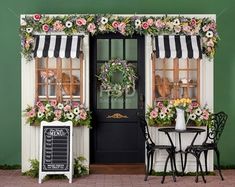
162, 114
180, 106
199, 115
55, 111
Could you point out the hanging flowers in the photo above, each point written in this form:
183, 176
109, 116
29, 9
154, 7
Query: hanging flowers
117, 77
126, 25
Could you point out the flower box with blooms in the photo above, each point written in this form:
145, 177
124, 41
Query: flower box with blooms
54, 111
199, 115
163, 114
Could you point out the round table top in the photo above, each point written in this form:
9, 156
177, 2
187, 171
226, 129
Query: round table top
188, 130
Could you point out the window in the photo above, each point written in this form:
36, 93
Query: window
176, 68
59, 68
59, 79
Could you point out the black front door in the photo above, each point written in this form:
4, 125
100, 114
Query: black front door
116, 136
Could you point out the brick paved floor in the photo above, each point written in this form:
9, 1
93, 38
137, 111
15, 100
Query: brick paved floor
12, 178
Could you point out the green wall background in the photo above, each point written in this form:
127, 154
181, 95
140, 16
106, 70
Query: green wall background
10, 68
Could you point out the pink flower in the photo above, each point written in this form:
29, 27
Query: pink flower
193, 22
83, 115
53, 103
75, 104
58, 114
45, 28
39, 104
160, 104
150, 22
210, 43
31, 113
187, 28
122, 27
80, 22
67, 108
209, 49
212, 26
91, 28
159, 24
153, 114
115, 24
42, 109
205, 115
164, 109
145, 25
37, 17
195, 104
58, 26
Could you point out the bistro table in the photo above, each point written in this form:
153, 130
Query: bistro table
168, 130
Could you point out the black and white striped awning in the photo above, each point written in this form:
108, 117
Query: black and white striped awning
176, 46
58, 46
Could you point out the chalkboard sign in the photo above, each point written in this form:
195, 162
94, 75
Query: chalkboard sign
56, 149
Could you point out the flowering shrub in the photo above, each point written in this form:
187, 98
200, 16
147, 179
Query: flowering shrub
126, 25
199, 115
54, 111
162, 114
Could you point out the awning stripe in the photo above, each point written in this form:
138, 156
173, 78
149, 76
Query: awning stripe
176, 46
57, 46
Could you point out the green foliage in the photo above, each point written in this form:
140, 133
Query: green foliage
34, 169
79, 169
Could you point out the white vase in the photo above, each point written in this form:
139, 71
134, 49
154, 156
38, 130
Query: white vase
180, 120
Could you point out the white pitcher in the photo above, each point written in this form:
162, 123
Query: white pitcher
180, 120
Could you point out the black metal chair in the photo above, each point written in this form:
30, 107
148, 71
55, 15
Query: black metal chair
150, 149
211, 143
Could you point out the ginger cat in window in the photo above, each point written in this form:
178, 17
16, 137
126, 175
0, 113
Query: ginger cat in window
163, 86
66, 87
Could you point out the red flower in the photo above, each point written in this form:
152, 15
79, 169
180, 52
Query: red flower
145, 25
45, 28
193, 22
37, 17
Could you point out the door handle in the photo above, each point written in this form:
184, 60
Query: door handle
142, 99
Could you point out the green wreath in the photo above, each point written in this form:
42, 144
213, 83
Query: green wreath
117, 77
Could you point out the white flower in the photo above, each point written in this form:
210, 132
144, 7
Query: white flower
68, 24
209, 34
76, 111
192, 116
162, 115
104, 20
60, 106
176, 22
29, 29
70, 115
198, 111
47, 107
40, 114
77, 117
137, 23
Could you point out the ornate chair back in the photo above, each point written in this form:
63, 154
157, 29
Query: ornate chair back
215, 130
145, 131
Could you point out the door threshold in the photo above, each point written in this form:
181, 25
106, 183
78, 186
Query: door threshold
136, 168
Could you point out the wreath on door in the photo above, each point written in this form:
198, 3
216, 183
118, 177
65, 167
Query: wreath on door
117, 77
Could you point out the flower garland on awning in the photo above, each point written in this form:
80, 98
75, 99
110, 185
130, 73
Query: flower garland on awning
126, 25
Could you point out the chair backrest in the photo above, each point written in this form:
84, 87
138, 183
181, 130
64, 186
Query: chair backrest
216, 129
145, 130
